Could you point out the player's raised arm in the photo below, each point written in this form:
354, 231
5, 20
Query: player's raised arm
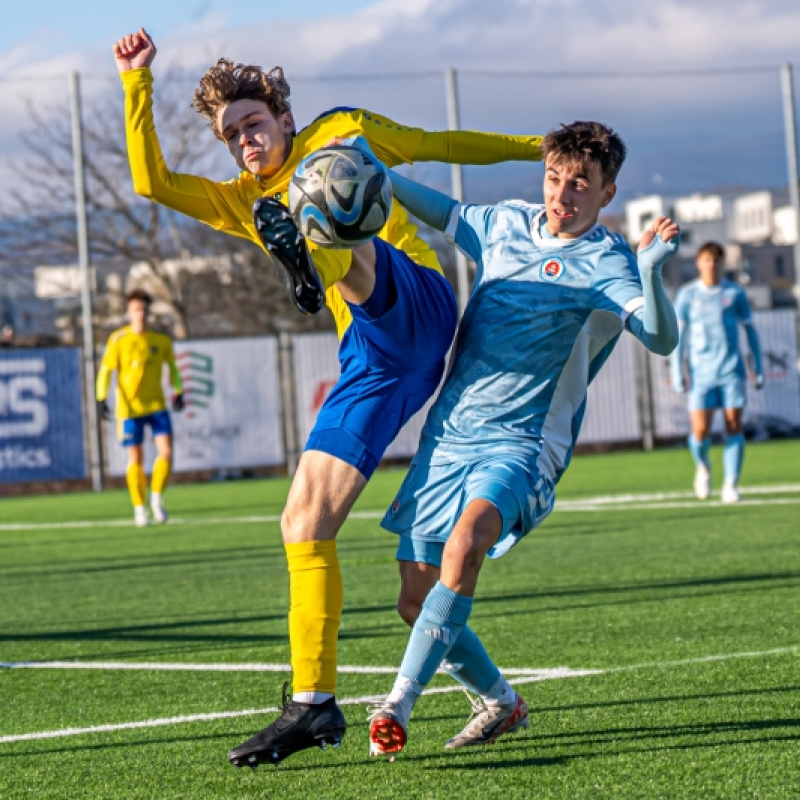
425, 203
396, 144
655, 324
152, 178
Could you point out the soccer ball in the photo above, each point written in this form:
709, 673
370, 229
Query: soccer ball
340, 197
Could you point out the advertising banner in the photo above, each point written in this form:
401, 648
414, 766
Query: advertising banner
316, 368
612, 409
232, 417
41, 419
779, 399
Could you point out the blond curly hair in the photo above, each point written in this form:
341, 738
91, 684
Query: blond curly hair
227, 82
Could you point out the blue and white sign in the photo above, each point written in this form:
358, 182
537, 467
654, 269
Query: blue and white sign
41, 424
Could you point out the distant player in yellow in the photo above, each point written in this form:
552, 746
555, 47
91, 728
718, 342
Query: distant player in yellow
138, 355
395, 315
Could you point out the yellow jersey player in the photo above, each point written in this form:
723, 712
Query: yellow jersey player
138, 356
395, 315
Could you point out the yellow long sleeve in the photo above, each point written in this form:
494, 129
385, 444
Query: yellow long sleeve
474, 147
102, 383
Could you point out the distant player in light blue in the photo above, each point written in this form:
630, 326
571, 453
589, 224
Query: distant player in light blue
710, 310
552, 294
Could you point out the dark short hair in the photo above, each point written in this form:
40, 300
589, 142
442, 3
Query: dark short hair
714, 249
138, 294
586, 143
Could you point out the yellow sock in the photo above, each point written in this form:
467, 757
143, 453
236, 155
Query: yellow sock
137, 483
316, 599
161, 472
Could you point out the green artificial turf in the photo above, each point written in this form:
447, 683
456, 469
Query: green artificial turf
686, 611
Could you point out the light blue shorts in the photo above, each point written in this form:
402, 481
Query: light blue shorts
433, 497
731, 394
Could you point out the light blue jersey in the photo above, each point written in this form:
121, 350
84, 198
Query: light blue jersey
709, 317
543, 317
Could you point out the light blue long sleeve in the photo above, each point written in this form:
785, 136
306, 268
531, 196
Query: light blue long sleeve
423, 202
655, 324
755, 349
676, 361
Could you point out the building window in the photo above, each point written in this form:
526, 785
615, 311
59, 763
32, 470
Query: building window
780, 266
645, 220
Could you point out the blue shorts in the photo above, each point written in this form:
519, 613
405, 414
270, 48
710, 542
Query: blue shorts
433, 497
731, 394
390, 364
132, 429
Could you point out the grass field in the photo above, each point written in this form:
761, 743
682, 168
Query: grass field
676, 623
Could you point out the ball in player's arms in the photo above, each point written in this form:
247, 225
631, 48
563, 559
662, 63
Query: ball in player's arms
340, 196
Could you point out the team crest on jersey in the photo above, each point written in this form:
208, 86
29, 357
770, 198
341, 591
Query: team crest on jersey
552, 269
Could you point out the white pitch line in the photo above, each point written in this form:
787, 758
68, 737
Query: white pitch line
634, 502
541, 675
172, 666
554, 674
697, 504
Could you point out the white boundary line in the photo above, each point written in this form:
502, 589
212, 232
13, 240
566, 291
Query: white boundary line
528, 676
633, 502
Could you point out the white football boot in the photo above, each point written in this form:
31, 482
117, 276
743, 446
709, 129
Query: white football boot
140, 517
702, 482
387, 728
157, 507
730, 493
489, 721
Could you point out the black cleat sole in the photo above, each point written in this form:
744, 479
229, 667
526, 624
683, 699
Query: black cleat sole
279, 234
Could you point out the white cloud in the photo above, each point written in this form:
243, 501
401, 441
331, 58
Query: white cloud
665, 120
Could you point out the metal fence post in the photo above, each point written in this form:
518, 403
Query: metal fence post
457, 187
288, 400
95, 453
644, 397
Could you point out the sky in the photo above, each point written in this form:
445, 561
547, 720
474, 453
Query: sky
693, 86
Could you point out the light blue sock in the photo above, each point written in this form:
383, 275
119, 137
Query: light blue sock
732, 457
469, 663
699, 450
441, 621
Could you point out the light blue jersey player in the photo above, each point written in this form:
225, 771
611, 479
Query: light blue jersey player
553, 292
710, 310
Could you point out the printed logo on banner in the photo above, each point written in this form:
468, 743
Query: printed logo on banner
197, 373
321, 391
41, 433
23, 413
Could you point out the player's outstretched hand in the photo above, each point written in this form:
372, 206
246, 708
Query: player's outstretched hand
659, 243
664, 227
178, 403
134, 51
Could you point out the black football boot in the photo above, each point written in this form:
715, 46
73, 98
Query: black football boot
286, 245
300, 726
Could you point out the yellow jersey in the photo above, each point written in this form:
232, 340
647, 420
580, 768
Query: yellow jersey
138, 359
228, 205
